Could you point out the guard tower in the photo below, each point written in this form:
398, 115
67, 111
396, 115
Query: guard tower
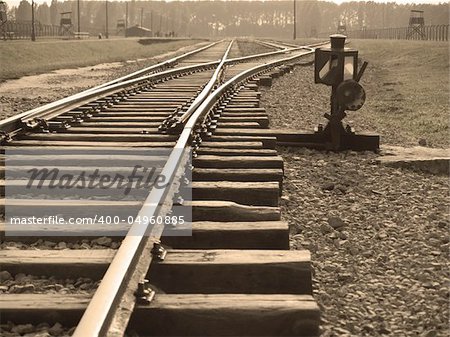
120, 26
65, 25
416, 29
3, 19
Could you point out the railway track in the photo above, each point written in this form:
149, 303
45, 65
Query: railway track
235, 274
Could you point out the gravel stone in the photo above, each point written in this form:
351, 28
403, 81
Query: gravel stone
42, 284
343, 235
328, 187
325, 228
23, 328
370, 281
336, 223
61, 245
341, 188
49, 244
443, 224
431, 333
40, 330
103, 241
18, 289
115, 245
56, 329
20, 277
5, 276
423, 142
38, 334
85, 286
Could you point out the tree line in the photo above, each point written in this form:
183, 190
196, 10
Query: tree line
232, 18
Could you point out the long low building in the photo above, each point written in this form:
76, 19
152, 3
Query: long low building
138, 31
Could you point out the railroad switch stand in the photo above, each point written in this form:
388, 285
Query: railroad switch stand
338, 67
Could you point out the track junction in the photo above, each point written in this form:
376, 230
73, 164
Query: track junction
235, 275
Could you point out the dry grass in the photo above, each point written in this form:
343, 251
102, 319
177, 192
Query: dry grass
384, 272
408, 88
247, 47
19, 58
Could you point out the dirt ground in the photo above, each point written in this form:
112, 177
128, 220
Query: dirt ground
29, 92
21, 57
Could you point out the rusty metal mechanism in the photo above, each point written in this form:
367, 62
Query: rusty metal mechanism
158, 251
144, 294
337, 67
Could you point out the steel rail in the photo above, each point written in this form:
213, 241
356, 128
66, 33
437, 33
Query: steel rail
291, 45
180, 121
14, 124
104, 306
8, 121
165, 64
310, 47
294, 46
103, 310
57, 108
272, 45
215, 96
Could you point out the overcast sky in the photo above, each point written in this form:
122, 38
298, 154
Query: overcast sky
16, 2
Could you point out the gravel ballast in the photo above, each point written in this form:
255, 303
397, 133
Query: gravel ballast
40, 244
378, 235
40, 330
33, 284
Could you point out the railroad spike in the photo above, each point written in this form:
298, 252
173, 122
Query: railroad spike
144, 294
4, 137
158, 251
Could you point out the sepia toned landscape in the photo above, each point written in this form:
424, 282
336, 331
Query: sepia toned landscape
303, 148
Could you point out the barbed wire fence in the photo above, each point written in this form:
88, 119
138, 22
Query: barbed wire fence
427, 33
21, 30
14, 30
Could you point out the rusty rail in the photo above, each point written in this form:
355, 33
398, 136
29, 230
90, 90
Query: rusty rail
176, 124
102, 317
32, 118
